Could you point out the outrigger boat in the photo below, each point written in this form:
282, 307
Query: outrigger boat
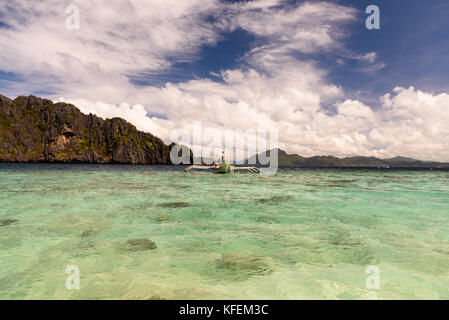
222, 168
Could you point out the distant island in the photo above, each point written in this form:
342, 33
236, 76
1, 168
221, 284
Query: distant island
294, 160
33, 129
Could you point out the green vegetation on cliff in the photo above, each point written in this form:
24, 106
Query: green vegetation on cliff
37, 130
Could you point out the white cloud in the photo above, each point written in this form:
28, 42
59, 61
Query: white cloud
116, 39
309, 28
115, 36
352, 108
370, 57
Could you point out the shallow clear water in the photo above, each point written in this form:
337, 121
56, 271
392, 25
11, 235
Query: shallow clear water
295, 235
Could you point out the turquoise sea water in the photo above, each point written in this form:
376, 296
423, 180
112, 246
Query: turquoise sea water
296, 235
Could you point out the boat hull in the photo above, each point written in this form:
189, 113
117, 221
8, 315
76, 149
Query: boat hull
224, 168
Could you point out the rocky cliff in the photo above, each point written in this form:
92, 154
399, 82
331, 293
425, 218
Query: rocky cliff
37, 130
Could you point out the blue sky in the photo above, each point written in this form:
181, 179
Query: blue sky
309, 69
413, 42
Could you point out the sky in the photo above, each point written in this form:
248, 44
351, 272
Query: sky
309, 69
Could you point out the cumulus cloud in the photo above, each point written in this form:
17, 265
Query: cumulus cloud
352, 108
276, 87
410, 123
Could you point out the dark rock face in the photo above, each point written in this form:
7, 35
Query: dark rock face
37, 130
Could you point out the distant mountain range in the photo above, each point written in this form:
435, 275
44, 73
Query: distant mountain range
294, 160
